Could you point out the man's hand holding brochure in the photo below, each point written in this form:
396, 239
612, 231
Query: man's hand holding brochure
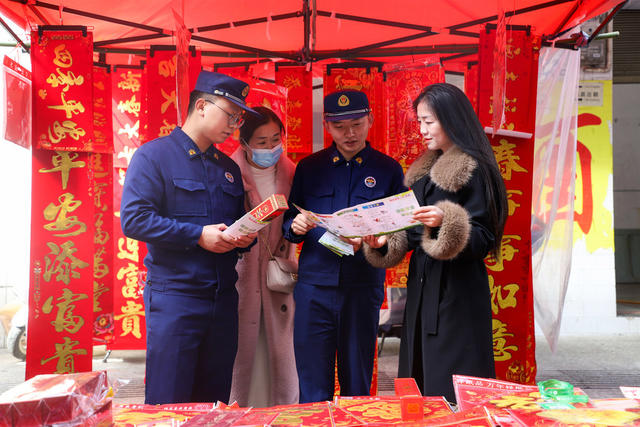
259, 217
378, 217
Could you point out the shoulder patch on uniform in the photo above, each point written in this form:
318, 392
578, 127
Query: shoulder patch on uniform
229, 177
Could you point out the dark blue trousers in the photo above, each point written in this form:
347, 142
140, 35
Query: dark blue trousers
341, 319
191, 345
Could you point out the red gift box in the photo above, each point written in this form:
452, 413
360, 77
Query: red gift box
270, 208
56, 398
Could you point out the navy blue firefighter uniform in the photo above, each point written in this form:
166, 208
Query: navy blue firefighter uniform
171, 191
337, 298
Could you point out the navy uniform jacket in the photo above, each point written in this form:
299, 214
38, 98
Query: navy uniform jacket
325, 182
171, 191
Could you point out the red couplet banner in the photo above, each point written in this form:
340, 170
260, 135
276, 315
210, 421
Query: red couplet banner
102, 119
62, 64
102, 186
510, 276
17, 118
161, 89
128, 306
127, 111
299, 84
129, 106
60, 288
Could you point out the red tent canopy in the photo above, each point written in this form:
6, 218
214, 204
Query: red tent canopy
303, 30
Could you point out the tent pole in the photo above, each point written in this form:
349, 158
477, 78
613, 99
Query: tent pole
606, 20
245, 22
14, 35
379, 45
39, 15
374, 21
306, 16
419, 50
129, 39
508, 14
261, 52
94, 16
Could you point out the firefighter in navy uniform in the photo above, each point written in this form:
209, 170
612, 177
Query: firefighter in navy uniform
179, 195
337, 298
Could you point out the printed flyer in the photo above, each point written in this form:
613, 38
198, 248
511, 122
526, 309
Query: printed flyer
382, 216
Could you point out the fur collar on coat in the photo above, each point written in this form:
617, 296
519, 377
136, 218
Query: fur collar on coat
450, 170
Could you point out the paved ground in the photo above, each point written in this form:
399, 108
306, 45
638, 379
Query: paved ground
599, 365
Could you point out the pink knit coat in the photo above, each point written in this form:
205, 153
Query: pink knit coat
278, 308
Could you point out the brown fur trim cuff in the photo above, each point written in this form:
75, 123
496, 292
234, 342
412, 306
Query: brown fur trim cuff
397, 246
453, 235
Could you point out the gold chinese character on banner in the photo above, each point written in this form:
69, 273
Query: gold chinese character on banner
130, 288
64, 79
64, 269
292, 105
100, 269
62, 222
69, 107
291, 82
58, 131
130, 316
294, 123
63, 56
98, 165
98, 290
498, 300
166, 128
64, 353
98, 192
169, 100
293, 141
100, 237
507, 253
167, 67
128, 249
507, 159
65, 320
130, 81
510, 51
501, 351
130, 106
99, 119
513, 205
63, 162
129, 130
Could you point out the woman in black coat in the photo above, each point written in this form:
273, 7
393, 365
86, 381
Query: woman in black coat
463, 207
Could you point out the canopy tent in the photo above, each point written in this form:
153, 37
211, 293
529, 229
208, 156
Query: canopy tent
303, 31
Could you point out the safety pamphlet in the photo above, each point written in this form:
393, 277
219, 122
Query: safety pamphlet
259, 217
335, 244
382, 216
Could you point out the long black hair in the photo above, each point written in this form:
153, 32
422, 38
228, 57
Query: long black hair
458, 120
253, 122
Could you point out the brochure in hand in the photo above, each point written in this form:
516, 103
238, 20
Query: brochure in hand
259, 217
382, 216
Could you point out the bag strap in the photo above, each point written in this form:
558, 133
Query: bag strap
267, 229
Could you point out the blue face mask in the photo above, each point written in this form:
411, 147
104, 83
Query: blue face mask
264, 157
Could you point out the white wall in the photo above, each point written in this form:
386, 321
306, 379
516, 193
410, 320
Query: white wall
626, 155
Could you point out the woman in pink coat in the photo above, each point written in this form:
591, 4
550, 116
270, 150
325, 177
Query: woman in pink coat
264, 373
